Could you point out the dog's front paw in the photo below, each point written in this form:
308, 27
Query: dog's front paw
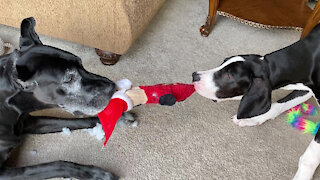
96, 173
235, 120
246, 122
104, 176
127, 119
303, 173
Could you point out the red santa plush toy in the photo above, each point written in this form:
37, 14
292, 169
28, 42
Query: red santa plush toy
126, 97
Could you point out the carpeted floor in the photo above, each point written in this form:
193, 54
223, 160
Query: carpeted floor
195, 139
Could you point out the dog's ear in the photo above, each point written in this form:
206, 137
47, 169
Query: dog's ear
18, 73
28, 37
24, 73
257, 99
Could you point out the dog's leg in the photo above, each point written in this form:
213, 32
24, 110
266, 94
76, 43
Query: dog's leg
294, 98
8, 141
42, 125
56, 169
310, 160
316, 92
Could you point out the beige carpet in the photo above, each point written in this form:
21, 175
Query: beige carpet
195, 139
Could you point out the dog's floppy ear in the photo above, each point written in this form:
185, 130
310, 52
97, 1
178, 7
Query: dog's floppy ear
28, 37
257, 100
17, 74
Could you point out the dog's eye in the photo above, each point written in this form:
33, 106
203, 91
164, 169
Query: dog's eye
228, 76
69, 78
61, 92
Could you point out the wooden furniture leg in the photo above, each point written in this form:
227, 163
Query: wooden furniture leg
107, 58
312, 21
207, 28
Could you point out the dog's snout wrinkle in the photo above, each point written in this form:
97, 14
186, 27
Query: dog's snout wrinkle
195, 77
98, 83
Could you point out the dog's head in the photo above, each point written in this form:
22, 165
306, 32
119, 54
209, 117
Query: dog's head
242, 77
56, 77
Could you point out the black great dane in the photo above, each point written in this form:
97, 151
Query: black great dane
38, 77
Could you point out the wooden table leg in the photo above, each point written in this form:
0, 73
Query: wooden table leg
312, 21
207, 28
107, 58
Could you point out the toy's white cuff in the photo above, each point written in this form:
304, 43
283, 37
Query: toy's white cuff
122, 95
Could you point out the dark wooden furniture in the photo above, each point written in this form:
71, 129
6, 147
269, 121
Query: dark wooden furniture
107, 58
288, 14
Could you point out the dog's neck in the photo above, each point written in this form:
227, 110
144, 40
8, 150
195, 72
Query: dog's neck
15, 95
280, 76
284, 71
293, 64
30, 103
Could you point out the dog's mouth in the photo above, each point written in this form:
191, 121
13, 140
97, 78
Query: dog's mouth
204, 91
86, 111
78, 113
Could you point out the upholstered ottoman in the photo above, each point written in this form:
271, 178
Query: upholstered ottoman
111, 26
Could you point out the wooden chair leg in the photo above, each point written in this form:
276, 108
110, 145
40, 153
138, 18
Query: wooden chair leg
107, 58
312, 21
207, 28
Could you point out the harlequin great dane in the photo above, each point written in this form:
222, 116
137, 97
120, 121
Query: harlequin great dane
251, 79
38, 77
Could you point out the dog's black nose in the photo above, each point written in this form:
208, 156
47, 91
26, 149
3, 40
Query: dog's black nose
195, 77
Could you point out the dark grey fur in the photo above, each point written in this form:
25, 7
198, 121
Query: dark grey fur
38, 77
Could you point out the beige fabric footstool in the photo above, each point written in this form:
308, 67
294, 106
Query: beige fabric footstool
109, 25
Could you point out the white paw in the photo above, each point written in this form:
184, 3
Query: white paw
246, 122
303, 175
235, 120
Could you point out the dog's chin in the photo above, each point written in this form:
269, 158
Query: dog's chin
205, 95
205, 92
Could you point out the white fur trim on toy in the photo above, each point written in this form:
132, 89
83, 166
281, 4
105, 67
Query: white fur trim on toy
123, 96
124, 84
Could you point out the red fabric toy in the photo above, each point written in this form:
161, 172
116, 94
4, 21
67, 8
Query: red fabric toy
167, 94
124, 99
